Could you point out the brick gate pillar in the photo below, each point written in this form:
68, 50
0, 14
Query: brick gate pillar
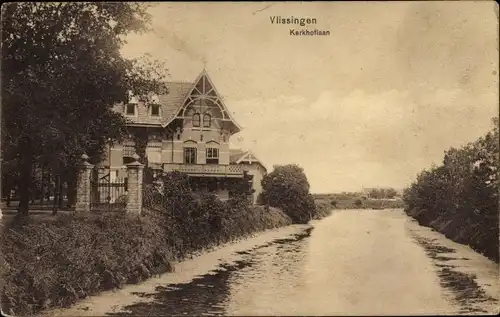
134, 187
83, 185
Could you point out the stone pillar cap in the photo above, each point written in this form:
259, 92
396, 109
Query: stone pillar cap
86, 164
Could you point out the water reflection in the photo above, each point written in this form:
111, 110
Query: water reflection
232, 284
271, 286
466, 291
351, 263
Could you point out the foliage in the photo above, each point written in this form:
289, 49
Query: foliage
54, 263
462, 191
241, 189
358, 203
379, 193
323, 209
61, 73
287, 188
261, 199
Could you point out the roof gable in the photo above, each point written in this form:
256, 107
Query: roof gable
248, 157
203, 89
237, 156
180, 96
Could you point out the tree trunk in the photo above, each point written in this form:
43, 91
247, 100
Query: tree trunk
56, 195
34, 188
8, 196
61, 193
72, 183
25, 181
42, 185
49, 186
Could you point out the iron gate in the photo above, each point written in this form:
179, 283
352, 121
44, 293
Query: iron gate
107, 193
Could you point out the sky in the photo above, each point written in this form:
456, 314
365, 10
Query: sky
392, 87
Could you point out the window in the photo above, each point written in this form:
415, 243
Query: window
189, 155
207, 120
131, 109
196, 120
212, 156
155, 110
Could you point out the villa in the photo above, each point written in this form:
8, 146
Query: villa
188, 130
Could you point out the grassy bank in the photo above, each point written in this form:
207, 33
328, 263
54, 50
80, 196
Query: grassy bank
466, 228
53, 263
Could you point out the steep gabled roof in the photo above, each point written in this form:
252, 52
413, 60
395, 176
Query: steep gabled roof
238, 156
235, 155
169, 104
172, 101
203, 88
180, 94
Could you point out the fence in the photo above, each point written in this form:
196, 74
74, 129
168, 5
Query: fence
107, 193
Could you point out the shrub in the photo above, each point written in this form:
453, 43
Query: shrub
287, 188
323, 209
460, 197
261, 200
122, 200
55, 262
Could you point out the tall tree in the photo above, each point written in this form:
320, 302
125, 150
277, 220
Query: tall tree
287, 188
61, 73
462, 193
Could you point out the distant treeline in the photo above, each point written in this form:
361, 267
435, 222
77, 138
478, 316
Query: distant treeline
374, 193
459, 198
380, 199
379, 193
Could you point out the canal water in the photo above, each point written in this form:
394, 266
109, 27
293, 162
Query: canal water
354, 262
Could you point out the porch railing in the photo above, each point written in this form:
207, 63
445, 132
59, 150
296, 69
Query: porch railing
205, 169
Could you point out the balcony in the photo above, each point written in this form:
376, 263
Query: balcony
207, 170
128, 150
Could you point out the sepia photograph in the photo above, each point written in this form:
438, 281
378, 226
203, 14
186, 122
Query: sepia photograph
322, 158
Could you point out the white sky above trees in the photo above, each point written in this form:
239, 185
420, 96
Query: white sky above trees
394, 85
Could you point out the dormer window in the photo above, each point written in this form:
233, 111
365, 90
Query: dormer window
155, 110
196, 120
130, 109
207, 120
